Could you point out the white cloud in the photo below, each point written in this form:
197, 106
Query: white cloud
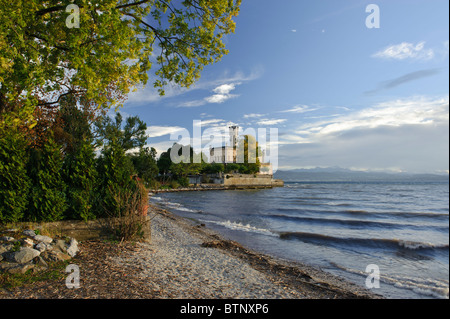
220, 98
157, 131
407, 134
149, 94
253, 115
405, 50
225, 88
270, 122
212, 122
195, 103
416, 110
222, 94
299, 109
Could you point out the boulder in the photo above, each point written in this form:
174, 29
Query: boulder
55, 255
40, 263
42, 246
29, 232
73, 247
27, 242
5, 248
44, 239
24, 255
7, 238
21, 268
60, 245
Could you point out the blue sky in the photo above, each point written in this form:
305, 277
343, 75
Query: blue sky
339, 93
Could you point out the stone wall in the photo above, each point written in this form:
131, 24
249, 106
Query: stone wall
247, 180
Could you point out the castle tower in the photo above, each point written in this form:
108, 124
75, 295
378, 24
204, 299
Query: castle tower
234, 132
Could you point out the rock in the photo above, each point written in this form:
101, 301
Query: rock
5, 248
21, 268
55, 255
7, 238
40, 263
61, 245
4, 266
29, 232
24, 255
27, 242
11, 230
42, 246
44, 239
73, 247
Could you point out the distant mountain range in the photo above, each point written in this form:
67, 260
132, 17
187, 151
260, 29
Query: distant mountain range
337, 174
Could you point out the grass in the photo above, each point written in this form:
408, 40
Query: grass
55, 272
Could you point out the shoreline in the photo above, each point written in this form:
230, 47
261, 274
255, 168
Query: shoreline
187, 260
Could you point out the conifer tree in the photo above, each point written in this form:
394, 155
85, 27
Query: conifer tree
14, 182
47, 195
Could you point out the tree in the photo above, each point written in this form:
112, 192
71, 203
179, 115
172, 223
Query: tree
80, 177
164, 163
145, 165
47, 196
252, 151
130, 136
115, 171
43, 59
14, 181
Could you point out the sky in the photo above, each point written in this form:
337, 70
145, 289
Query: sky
337, 92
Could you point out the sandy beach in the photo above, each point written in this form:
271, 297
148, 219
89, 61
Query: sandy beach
185, 260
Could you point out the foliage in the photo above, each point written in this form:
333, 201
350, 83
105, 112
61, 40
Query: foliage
80, 177
252, 151
115, 170
47, 200
128, 221
14, 182
145, 165
112, 51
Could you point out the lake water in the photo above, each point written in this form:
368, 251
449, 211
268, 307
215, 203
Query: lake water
341, 227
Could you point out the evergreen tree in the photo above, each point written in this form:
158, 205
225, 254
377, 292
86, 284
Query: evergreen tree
47, 196
145, 165
115, 171
14, 182
80, 176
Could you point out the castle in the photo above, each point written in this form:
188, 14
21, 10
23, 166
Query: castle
228, 154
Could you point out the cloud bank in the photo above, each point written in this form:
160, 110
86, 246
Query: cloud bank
403, 135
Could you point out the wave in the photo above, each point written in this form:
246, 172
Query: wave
422, 286
365, 224
365, 242
179, 207
365, 213
242, 227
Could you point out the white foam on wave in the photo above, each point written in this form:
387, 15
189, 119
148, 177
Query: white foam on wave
422, 286
417, 245
179, 207
242, 227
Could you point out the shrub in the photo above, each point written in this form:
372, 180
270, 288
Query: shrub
80, 176
130, 221
47, 196
14, 182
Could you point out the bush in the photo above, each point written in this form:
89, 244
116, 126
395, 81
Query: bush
47, 196
80, 176
14, 182
130, 221
115, 171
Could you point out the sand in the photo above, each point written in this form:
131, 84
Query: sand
185, 260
